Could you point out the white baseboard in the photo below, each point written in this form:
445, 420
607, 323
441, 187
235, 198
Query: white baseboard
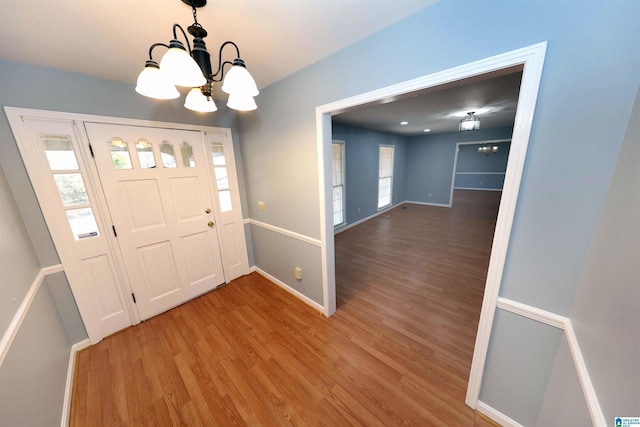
71, 370
288, 288
252, 269
496, 416
439, 205
360, 221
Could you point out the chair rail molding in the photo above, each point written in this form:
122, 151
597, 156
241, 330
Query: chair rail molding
13, 328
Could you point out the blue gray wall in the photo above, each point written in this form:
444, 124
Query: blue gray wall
361, 168
18, 262
33, 373
430, 163
423, 165
564, 403
519, 363
605, 310
478, 171
591, 45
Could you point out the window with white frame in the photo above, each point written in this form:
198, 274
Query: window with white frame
337, 156
385, 176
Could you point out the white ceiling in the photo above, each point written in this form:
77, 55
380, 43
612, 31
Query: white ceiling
111, 38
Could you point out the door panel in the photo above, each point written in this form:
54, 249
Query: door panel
185, 192
142, 204
158, 269
156, 185
197, 251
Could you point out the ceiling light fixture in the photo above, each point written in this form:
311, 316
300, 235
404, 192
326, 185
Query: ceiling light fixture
404, 123
487, 149
427, 130
470, 123
192, 68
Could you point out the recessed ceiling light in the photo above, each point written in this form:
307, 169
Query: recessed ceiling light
427, 130
404, 123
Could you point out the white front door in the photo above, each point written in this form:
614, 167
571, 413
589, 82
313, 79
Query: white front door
156, 184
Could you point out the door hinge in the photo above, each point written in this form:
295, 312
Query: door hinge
91, 151
134, 297
113, 227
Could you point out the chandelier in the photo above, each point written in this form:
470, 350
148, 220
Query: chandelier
487, 149
469, 123
192, 68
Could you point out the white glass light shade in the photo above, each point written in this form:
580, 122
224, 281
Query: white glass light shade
238, 81
181, 69
196, 101
241, 102
154, 84
469, 123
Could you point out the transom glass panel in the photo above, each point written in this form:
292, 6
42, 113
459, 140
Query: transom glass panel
168, 155
120, 154
188, 160
145, 154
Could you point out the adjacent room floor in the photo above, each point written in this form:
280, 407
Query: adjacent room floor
397, 352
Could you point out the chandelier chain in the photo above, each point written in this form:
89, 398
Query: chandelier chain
195, 15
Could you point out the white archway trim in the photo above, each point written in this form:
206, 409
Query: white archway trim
532, 58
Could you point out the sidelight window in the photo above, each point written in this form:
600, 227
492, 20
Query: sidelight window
222, 178
70, 184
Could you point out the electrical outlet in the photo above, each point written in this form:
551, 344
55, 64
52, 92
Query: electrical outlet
358, 210
262, 206
297, 272
429, 195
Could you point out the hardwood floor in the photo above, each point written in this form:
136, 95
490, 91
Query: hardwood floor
397, 351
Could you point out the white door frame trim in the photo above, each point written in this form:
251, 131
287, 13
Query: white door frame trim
455, 162
532, 57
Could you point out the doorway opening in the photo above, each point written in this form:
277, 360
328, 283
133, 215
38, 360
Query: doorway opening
531, 60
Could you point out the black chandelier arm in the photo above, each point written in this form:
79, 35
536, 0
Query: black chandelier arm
175, 36
229, 42
153, 46
221, 64
220, 72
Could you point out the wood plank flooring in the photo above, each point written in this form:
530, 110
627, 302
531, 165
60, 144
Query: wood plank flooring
397, 352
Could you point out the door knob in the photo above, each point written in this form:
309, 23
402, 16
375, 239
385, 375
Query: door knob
208, 210
210, 224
